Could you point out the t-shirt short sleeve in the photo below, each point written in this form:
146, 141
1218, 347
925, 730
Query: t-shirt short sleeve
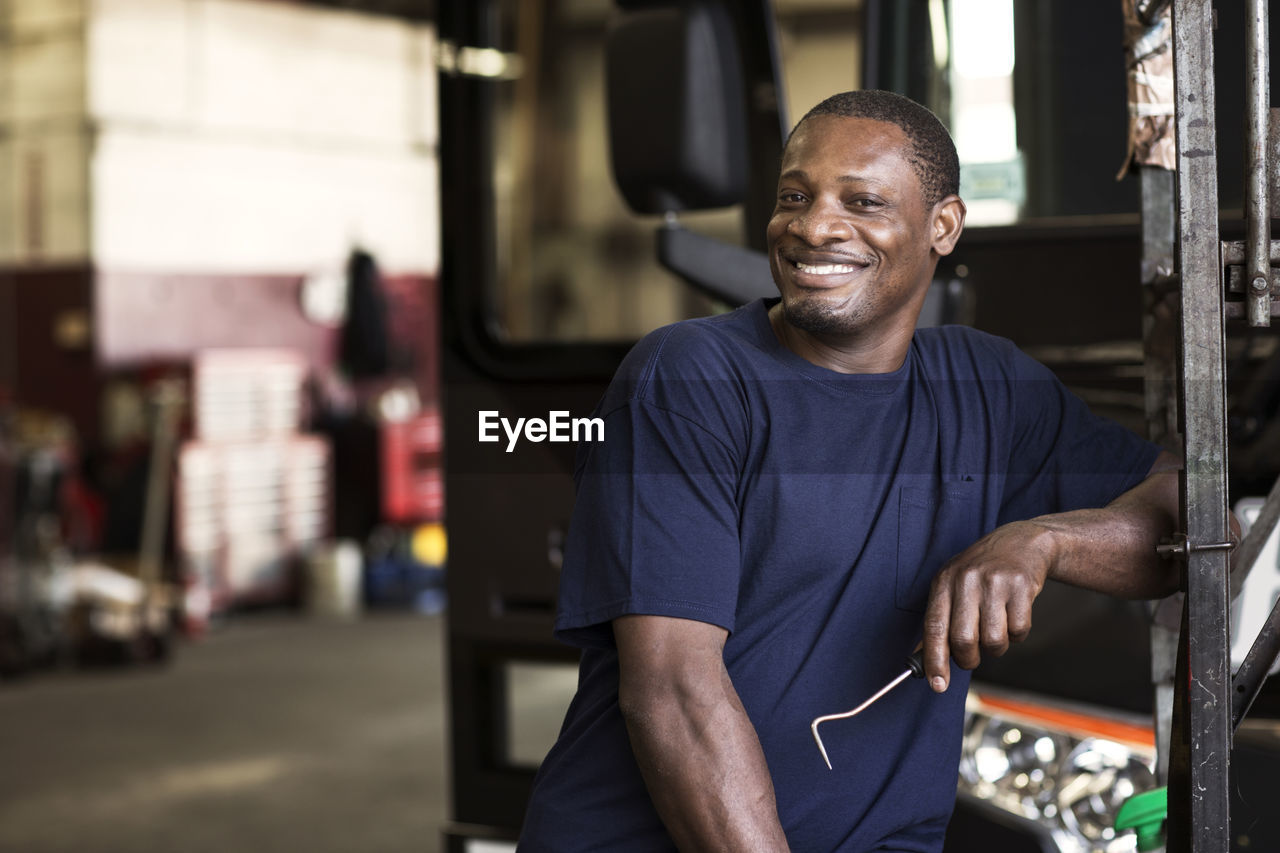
1062, 456
654, 528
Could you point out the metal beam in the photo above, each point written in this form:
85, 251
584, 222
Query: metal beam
1257, 190
1159, 242
1255, 540
1259, 140
1201, 825
1257, 663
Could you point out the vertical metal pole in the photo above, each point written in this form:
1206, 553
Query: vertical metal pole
1159, 334
1257, 190
1204, 696
1159, 242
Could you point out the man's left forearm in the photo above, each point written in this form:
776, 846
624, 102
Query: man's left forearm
980, 601
1112, 549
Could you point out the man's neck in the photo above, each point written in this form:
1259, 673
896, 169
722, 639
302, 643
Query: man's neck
873, 353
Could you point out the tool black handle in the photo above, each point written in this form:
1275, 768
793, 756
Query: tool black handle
916, 663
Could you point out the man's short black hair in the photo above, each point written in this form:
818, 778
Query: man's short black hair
932, 154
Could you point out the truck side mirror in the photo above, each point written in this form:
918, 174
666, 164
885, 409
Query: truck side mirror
679, 136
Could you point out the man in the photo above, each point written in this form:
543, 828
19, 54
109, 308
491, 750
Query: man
791, 497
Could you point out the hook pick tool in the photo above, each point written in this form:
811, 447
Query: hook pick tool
915, 669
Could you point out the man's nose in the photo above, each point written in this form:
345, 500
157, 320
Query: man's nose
821, 224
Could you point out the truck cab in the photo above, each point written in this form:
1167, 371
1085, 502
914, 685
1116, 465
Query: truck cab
558, 254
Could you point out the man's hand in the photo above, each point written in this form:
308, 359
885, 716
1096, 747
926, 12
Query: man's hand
981, 599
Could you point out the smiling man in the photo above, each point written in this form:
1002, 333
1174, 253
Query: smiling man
791, 497
854, 240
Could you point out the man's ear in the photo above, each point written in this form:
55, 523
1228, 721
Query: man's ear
948, 222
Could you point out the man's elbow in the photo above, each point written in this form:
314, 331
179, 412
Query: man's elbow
637, 706
646, 698
661, 704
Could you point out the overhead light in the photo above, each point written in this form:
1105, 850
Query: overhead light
486, 62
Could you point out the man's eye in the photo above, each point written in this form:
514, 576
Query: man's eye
791, 198
867, 203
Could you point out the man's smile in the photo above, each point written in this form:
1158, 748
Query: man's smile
822, 269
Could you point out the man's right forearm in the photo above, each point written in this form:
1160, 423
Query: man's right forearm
701, 760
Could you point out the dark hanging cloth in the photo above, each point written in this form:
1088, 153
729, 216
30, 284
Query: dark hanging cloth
365, 342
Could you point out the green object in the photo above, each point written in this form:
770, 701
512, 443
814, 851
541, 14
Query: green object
1145, 813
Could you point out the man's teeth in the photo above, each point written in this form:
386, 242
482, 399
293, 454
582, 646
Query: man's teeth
824, 269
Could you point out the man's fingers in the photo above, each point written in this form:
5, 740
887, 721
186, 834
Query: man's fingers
995, 626
976, 607
981, 600
937, 651
1020, 617
966, 619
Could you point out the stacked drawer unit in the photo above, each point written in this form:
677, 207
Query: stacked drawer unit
253, 496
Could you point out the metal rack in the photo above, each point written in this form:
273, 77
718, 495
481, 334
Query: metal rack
1217, 281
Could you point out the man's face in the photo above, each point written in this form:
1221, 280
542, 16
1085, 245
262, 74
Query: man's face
851, 242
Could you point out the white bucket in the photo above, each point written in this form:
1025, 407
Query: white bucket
334, 576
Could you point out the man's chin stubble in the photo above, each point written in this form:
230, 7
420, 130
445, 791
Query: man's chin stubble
817, 319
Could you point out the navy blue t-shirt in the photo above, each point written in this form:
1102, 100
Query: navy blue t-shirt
806, 511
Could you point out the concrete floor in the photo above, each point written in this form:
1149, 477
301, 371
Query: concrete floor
274, 733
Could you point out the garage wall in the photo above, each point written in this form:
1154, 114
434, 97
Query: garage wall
259, 137
44, 133
168, 165
214, 135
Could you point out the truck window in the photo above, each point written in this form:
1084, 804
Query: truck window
573, 263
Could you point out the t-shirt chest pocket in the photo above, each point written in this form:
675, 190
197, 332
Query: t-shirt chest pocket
934, 524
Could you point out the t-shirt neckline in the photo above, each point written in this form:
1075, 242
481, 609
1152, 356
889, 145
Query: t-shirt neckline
862, 383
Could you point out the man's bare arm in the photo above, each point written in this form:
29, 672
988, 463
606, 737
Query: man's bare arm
696, 747
981, 599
